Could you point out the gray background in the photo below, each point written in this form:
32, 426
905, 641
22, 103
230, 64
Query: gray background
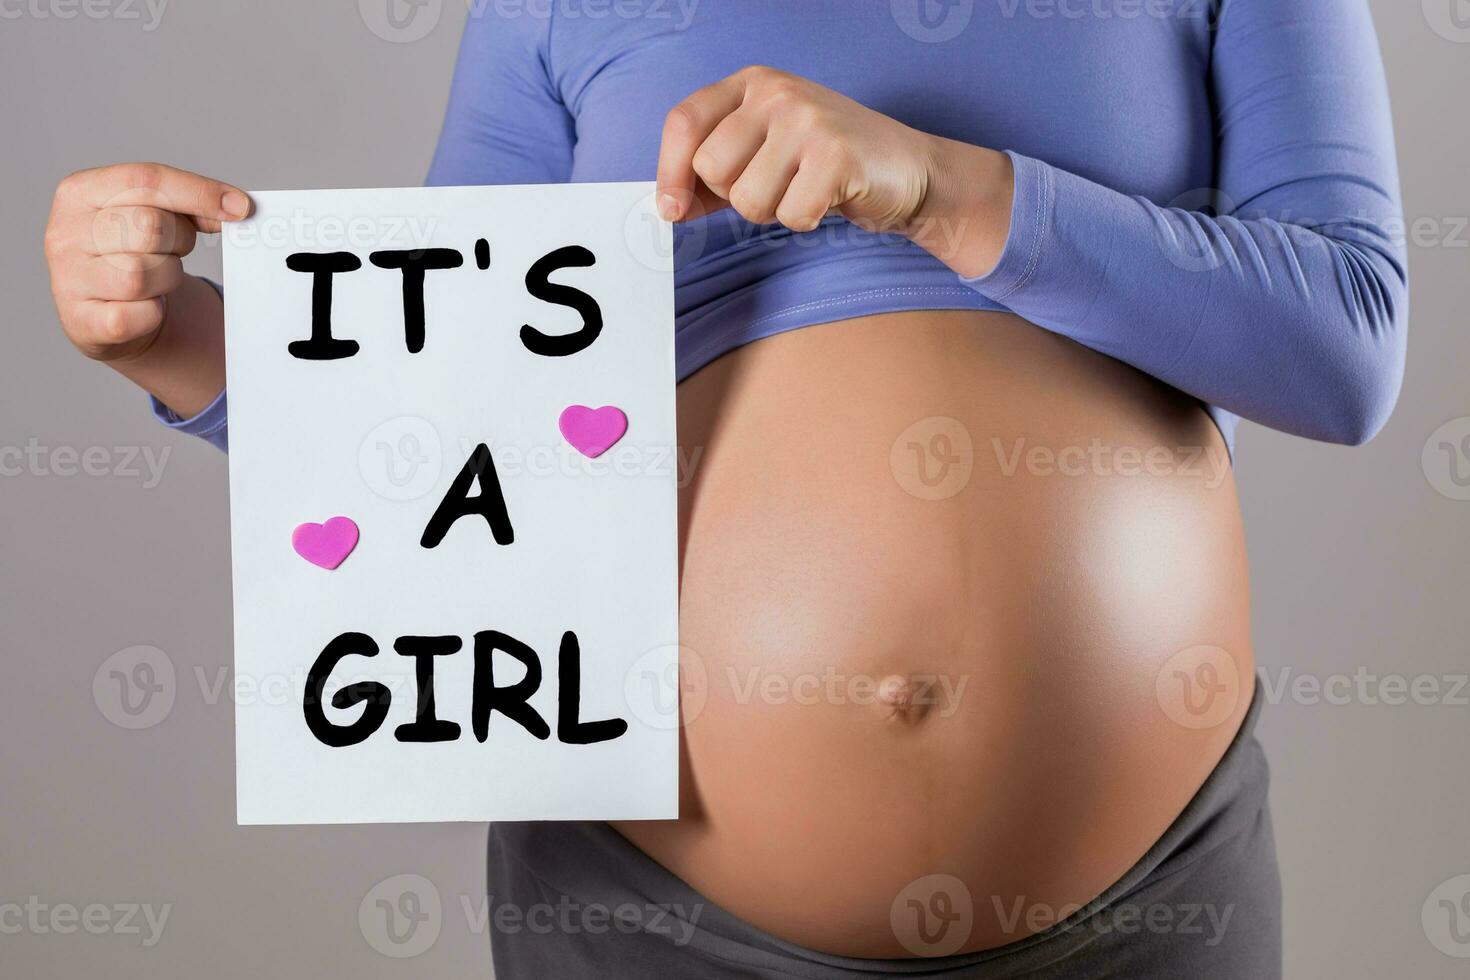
1359, 562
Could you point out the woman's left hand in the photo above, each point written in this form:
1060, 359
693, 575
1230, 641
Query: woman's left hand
778, 148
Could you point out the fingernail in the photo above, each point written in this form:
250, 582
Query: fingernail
668, 207
235, 204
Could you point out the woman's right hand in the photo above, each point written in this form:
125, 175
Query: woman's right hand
114, 244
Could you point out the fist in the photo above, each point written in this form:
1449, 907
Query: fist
114, 242
776, 147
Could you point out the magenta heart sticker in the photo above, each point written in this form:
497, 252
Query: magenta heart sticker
325, 544
592, 431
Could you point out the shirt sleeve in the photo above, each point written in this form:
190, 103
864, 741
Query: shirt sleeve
1282, 297
211, 425
505, 125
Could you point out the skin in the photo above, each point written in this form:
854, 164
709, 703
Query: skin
1034, 613
976, 685
114, 244
776, 147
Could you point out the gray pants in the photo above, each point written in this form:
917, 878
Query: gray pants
577, 901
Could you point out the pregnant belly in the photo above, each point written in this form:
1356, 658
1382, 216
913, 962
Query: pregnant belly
965, 620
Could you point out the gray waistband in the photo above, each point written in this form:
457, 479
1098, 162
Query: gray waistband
592, 864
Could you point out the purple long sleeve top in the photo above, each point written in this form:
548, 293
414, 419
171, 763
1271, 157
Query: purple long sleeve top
1204, 190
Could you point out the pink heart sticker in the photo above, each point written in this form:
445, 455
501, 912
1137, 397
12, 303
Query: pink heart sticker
592, 431
325, 544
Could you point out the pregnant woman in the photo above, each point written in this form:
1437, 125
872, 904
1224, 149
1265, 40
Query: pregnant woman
970, 299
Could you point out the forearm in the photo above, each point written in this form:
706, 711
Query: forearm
184, 366
1298, 325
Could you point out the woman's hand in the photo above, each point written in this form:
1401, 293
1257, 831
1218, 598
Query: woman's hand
114, 244
780, 148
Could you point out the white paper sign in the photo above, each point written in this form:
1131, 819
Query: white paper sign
423, 387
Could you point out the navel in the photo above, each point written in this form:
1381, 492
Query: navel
901, 698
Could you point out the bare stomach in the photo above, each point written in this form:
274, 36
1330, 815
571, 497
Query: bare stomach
965, 619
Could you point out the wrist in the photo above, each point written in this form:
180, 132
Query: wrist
965, 216
184, 365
